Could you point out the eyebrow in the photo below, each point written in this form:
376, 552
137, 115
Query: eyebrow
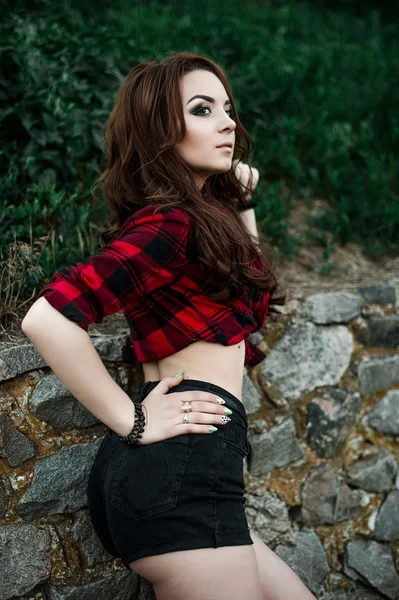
206, 98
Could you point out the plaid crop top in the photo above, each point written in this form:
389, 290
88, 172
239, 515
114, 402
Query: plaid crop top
150, 274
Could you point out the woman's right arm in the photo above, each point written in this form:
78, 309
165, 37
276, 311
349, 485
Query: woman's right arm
150, 255
68, 350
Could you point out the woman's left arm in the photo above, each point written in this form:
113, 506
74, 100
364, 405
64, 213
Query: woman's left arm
248, 217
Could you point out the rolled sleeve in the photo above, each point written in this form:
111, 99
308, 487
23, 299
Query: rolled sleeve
148, 255
253, 355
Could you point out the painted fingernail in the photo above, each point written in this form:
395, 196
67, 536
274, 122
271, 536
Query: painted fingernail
227, 411
211, 428
225, 419
178, 374
220, 400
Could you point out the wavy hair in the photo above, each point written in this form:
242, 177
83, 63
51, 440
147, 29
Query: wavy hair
142, 167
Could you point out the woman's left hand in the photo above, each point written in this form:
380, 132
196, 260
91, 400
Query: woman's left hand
243, 174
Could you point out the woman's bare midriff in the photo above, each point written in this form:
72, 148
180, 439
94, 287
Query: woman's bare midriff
206, 361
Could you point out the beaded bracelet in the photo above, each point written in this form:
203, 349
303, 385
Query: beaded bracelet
250, 204
132, 439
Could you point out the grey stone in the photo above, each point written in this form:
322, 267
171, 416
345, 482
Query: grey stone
25, 559
274, 395
5, 423
372, 563
53, 403
385, 416
352, 591
277, 447
113, 348
122, 585
257, 426
329, 419
332, 307
306, 357
3, 498
250, 395
59, 482
378, 293
374, 473
378, 373
326, 498
82, 531
146, 590
255, 338
268, 518
380, 331
18, 359
15, 447
307, 559
387, 522
245, 467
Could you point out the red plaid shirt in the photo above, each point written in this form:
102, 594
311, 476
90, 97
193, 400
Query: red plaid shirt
150, 273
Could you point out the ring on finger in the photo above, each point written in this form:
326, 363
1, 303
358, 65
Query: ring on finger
186, 407
185, 418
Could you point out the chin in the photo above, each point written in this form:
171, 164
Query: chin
216, 170
226, 165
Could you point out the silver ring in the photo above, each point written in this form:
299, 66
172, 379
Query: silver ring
185, 418
186, 406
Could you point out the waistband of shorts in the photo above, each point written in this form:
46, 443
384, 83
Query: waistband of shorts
196, 384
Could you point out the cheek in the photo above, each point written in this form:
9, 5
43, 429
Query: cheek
198, 133
197, 137
196, 147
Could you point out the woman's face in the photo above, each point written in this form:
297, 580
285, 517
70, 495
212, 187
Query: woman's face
208, 124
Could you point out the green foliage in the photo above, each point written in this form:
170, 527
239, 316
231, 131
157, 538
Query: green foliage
272, 214
316, 88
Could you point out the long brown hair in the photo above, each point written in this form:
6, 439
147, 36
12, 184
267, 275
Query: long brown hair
142, 166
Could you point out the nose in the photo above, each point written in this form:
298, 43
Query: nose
229, 124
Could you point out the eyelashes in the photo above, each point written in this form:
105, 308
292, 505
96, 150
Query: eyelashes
230, 111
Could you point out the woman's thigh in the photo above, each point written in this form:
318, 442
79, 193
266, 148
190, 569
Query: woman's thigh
278, 580
223, 573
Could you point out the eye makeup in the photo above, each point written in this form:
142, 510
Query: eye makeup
202, 107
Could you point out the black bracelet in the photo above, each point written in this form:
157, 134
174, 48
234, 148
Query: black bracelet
250, 204
132, 439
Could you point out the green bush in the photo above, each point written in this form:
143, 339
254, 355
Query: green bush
316, 88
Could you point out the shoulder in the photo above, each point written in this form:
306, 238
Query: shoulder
160, 213
159, 234
156, 216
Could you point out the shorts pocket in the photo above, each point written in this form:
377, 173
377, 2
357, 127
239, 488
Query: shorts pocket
147, 479
236, 439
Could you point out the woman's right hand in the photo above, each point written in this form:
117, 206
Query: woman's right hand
164, 416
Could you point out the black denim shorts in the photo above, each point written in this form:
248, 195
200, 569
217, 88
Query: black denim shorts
182, 493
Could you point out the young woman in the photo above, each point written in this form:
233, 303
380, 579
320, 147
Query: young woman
182, 261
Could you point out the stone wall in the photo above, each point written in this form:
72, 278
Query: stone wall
322, 480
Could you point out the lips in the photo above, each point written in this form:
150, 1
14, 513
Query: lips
226, 145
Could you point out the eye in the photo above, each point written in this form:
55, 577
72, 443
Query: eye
197, 111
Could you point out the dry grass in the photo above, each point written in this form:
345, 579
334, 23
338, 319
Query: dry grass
298, 277
21, 261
